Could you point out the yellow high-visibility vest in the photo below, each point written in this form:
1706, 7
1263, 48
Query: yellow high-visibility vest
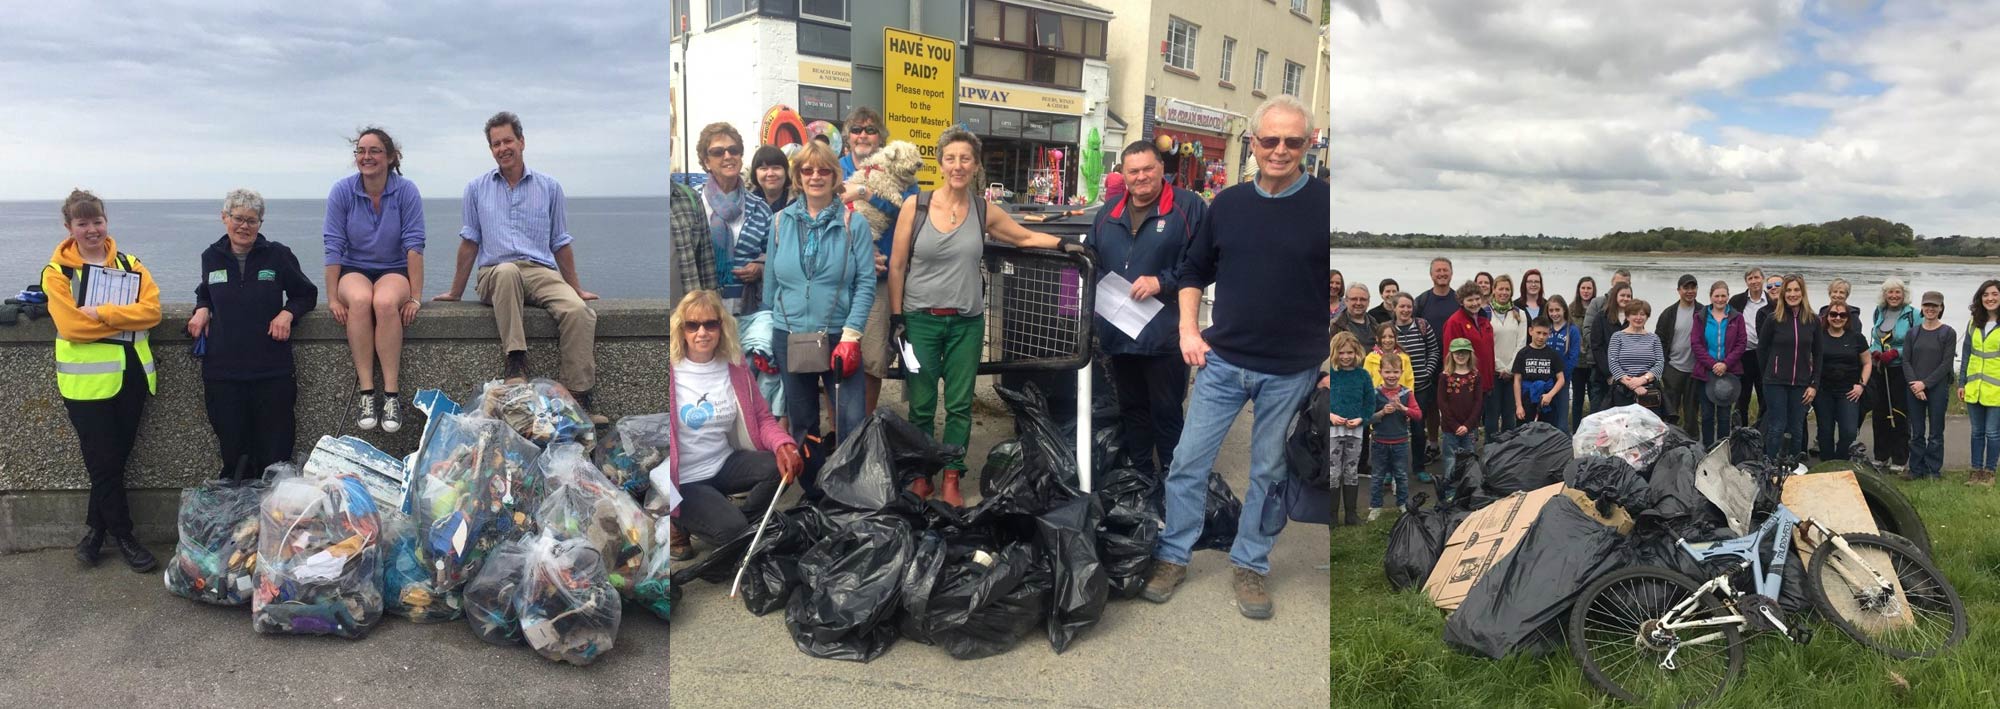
93, 371
1982, 369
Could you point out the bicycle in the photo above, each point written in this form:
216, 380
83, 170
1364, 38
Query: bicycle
1650, 635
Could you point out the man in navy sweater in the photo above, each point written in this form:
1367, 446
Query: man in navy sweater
1261, 245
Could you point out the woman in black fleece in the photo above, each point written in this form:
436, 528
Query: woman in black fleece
1788, 351
250, 294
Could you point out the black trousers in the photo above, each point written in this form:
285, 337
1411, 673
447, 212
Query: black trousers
1891, 409
253, 422
1753, 381
705, 507
105, 430
1152, 390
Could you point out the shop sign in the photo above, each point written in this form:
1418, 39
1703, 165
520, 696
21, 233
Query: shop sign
832, 76
987, 93
1192, 115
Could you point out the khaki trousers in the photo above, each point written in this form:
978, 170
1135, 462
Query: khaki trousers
510, 286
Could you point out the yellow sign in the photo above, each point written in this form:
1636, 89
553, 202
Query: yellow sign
918, 72
984, 93
832, 76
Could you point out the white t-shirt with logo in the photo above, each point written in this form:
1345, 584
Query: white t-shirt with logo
706, 412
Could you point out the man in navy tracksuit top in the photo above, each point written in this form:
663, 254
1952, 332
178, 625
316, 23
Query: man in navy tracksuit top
1261, 245
1142, 238
250, 295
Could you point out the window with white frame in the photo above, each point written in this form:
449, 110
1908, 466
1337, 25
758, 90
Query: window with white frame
1299, 6
1257, 71
719, 10
1180, 43
1294, 74
1228, 56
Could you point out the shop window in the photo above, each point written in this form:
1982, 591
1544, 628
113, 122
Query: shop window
1180, 43
1059, 71
818, 104
1038, 127
1294, 73
1007, 123
1066, 130
825, 41
977, 119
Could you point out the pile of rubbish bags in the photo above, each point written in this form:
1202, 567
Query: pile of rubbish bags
1621, 459
318, 555
871, 564
541, 410
215, 560
632, 448
475, 484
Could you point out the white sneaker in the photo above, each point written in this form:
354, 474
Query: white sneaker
392, 416
366, 421
1374, 513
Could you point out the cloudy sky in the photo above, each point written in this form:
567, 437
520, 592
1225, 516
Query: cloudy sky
178, 99
1580, 117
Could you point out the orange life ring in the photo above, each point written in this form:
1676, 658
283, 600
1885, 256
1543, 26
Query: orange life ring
782, 127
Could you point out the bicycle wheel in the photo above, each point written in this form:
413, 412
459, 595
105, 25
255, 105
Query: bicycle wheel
1614, 637
1924, 619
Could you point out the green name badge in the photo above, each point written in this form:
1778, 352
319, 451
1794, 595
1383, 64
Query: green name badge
267, 275
219, 275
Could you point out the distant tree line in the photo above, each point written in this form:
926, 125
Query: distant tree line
1864, 236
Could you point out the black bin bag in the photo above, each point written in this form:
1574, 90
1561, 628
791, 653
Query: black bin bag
1514, 605
1415, 544
849, 586
973, 601
1067, 536
873, 465
1526, 458
1221, 512
1133, 514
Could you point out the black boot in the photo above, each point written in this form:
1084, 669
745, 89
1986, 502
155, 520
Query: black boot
517, 367
90, 549
1350, 497
583, 400
135, 554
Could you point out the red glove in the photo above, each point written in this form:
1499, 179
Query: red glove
763, 364
789, 463
847, 358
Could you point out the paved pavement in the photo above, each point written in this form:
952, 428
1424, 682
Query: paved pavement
1196, 650
108, 637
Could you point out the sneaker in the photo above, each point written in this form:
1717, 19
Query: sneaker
135, 554
1166, 577
1374, 513
1984, 479
366, 419
1251, 597
90, 549
517, 367
392, 413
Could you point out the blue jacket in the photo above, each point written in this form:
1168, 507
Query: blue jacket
1156, 251
887, 206
1567, 340
819, 274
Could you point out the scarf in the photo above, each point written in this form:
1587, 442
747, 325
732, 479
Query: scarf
724, 209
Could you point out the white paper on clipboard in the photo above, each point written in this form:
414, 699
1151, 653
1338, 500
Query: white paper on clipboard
910, 365
110, 286
1115, 303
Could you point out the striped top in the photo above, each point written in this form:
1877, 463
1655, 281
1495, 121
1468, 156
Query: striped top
1635, 354
1420, 342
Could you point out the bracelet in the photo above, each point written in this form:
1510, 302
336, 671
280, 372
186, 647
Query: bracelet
413, 299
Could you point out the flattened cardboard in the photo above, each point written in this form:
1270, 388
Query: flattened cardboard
1834, 500
1479, 542
1618, 519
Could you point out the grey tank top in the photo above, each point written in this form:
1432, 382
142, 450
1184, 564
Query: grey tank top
944, 268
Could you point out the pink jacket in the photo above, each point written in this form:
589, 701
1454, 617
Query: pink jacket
755, 425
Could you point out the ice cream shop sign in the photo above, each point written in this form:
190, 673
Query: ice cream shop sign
1192, 115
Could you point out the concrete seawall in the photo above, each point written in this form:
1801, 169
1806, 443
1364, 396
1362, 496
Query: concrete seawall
452, 346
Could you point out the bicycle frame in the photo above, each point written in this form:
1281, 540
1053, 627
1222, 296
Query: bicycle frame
1778, 531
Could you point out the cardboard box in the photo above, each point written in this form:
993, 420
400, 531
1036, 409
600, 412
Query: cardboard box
1480, 541
1619, 518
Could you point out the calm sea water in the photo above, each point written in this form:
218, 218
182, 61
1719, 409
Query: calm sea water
621, 242
1654, 275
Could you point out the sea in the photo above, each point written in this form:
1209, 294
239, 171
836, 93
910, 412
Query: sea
620, 248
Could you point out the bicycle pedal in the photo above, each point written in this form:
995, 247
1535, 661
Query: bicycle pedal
1802, 633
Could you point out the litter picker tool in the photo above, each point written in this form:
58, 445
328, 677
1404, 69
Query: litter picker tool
756, 540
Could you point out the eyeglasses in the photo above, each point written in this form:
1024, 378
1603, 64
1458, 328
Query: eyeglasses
736, 150
1270, 142
865, 130
377, 152
815, 171
246, 221
694, 326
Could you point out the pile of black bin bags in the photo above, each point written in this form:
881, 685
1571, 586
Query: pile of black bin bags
871, 563
1519, 605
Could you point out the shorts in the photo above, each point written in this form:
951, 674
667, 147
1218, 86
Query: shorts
875, 336
375, 274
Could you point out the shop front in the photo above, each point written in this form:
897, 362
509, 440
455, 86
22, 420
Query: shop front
1194, 140
826, 91
1031, 137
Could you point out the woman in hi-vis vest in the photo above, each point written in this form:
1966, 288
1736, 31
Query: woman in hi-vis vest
104, 367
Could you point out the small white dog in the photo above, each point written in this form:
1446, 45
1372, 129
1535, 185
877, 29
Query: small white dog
886, 173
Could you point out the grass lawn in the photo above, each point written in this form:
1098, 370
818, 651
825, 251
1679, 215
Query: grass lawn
1388, 648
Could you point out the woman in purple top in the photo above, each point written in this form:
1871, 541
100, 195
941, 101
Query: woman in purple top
375, 268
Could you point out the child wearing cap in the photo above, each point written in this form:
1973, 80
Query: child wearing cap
1458, 407
1395, 411
1349, 392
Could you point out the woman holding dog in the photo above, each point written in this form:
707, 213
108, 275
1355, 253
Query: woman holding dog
738, 222
936, 299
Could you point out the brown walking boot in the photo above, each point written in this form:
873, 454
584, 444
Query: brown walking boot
1252, 599
1166, 577
679, 546
950, 493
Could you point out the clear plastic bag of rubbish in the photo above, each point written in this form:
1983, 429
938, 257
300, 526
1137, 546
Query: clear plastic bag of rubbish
1631, 432
541, 410
569, 611
402, 570
318, 554
474, 486
578, 502
974, 602
655, 589
215, 560
630, 450
493, 598
1221, 513
850, 583
1134, 514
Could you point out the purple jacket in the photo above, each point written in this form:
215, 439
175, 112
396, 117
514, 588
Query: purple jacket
755, 424
1732, 345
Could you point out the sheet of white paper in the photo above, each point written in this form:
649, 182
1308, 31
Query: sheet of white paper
319, 567
1115, 303
910, 359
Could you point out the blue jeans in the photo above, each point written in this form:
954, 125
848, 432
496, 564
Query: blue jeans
1499, 413
1714, 419
1219, 393
802, 394
1454, 446
1927, 433
1390, 463
1556, 415
1839, 420
1985, 436
1784, 414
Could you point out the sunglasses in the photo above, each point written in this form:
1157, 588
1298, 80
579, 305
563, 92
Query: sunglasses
1836, 315
694, 326
736, 150
865, 130
815, 171
1270, 142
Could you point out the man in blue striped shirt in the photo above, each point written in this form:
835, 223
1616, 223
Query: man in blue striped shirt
516, 229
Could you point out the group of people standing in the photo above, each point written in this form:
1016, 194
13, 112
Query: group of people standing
252, 292
786, 244
1697, 363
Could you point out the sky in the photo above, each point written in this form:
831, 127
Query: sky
169, 99
1582, 117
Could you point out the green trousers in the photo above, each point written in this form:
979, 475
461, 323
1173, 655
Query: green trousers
947, 347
